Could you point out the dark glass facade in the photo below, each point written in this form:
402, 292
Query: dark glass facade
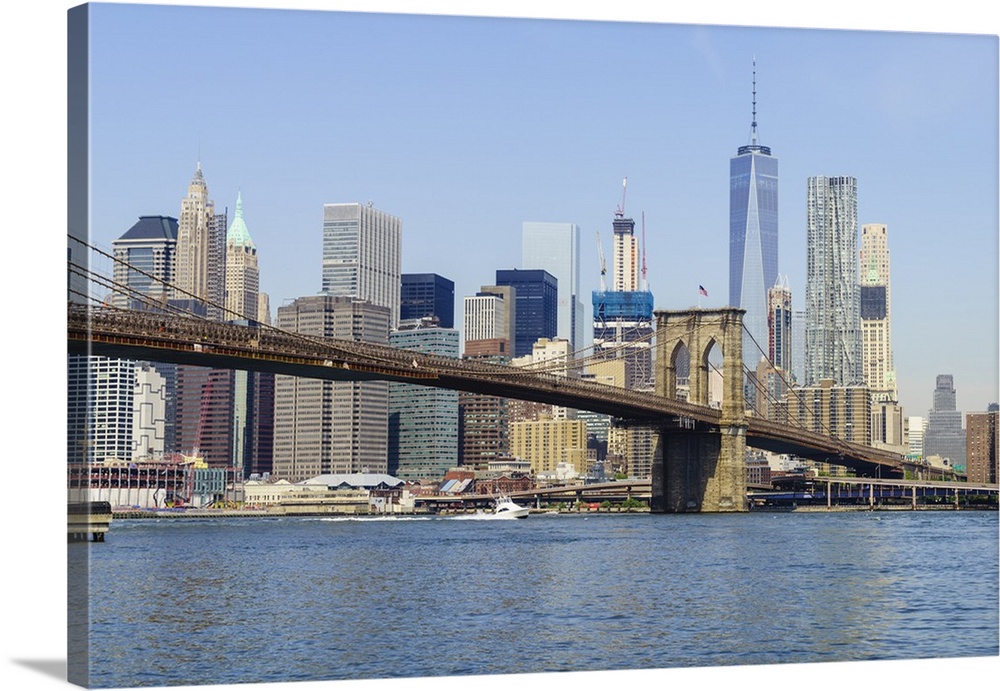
428, 295
536, 304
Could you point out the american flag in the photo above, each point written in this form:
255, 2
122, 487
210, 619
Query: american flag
702, 291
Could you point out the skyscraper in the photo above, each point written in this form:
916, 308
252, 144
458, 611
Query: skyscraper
324, 426
982, 444
428, 295
242, 271
252, 417
535, 304
423, 420
753, 235
833, 328
200, 236
361, 255
623, 317
875, 311
625, 250
944, 435
485, 317
483, 419
145, 261
779, 325
555, 247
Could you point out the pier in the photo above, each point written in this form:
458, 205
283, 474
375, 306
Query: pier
88, 520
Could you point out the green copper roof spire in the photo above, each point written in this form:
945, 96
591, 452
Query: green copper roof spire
238, 233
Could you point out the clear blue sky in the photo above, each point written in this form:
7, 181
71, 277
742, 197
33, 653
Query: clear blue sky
466, 126
464, 136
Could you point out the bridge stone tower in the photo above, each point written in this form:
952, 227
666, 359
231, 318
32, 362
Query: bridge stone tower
699, 467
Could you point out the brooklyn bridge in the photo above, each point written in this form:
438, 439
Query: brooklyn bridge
699, 461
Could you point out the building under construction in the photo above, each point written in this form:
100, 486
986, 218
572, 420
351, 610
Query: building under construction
623, 317
623, 330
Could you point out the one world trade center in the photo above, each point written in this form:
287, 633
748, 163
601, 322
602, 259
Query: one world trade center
753, 236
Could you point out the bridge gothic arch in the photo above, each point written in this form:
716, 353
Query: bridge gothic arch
696, 468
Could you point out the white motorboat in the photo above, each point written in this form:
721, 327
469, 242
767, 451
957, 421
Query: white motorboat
506, 508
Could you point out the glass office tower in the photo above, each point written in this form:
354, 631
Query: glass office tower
753, 236
555, 247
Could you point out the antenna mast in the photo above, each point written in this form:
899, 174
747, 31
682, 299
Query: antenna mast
753, 120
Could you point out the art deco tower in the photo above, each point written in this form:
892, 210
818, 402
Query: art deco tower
753, 235
242, 272
194, 237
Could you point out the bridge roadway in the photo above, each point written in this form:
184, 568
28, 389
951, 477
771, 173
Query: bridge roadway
162, 337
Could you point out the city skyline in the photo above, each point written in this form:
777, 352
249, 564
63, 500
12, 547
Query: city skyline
37, 38
485, 145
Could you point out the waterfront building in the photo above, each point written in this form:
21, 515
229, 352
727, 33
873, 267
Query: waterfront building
260, 423
536, 294
829, 408
833, 328
753, 235
545, 443
361, 255
101, 406
149, 414
875, 312
944, 435
143, 483
555, 247
204, 419
981, 444
483, 435
325, 426
631, 450
423, 420
427, 295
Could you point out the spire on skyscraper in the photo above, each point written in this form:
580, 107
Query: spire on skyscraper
754, 145
753, 122
238, 233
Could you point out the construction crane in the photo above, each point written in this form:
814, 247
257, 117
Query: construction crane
620, 211
645, 286
604, 266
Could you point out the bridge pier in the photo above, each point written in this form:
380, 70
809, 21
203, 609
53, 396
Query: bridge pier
697, 468
699, 471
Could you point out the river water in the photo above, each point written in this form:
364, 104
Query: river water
227, 601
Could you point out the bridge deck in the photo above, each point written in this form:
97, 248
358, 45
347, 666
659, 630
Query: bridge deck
161, 337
